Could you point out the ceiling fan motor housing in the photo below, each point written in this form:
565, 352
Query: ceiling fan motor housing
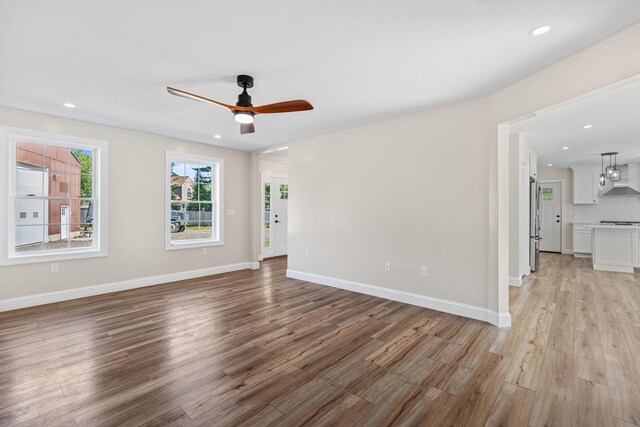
244, 99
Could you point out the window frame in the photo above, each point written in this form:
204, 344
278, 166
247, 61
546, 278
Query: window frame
217, 202
9, 137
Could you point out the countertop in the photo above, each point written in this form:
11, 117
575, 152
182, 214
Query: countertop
613, 226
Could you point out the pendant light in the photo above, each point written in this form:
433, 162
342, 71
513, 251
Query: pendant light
612, 172
616, 174
609, 169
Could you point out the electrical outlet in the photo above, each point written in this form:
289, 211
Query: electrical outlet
54, 267
424, 272
306, 254
204, 251
387, 266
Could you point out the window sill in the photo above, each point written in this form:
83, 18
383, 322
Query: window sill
191, 245
52, 257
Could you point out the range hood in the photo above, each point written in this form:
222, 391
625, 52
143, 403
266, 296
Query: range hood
629, 184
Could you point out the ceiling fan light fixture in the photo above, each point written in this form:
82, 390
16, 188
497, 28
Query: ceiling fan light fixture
243, 117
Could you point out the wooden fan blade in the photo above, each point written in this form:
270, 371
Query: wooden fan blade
283, 107
195, 97
247, 128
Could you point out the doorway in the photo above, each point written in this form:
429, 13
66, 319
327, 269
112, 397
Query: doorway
280, 217
551, 223
275, 201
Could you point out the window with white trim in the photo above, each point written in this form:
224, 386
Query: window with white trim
194, 201
55, 197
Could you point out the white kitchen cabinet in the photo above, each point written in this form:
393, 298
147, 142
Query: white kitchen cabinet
615, 248
585, 186
582, 240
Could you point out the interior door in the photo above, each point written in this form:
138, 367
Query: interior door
551, 218
280, 200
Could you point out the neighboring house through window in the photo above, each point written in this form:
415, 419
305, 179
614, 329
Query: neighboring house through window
194, 202
55, 197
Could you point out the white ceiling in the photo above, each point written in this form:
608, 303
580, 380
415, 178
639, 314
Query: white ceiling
614, 117
356, 61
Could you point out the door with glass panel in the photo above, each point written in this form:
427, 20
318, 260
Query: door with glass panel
275, 197
280, 192
551, 216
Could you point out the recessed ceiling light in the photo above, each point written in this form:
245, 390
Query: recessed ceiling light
587, 126
565, 148
538, 31
216, 136
69, 105
549, 164
282, 148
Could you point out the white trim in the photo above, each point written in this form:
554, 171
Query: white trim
70, 294
515, 281
8, 140
452, 307
613, 268
567, 252
217, 172
581, 255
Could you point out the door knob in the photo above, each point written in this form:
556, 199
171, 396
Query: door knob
556, 220
277, 221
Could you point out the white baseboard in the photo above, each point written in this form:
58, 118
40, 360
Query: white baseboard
515, 281
452, 307
567, 252
69, 294
581, 255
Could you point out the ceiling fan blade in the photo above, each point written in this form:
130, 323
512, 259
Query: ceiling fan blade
247, 128
195, 97
283, 107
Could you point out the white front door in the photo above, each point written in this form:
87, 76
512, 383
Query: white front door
280, 200
551, 218
65, 213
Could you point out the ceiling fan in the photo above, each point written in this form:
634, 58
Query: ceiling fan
244, 111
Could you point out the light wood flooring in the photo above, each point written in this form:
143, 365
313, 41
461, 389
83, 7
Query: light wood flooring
256, 348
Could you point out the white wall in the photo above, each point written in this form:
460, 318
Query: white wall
546, 173
274, 168
609, 209
136, 211
410, 190
431, 188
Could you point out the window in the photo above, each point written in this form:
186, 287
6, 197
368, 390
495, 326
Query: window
267, 216
547, 193
284, 191
194, 195
55, 186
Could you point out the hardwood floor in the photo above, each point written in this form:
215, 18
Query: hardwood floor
256, 348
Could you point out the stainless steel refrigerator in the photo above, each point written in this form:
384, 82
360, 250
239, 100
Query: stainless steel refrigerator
534, 225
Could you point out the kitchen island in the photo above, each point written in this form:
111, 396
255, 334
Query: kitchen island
615, 247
